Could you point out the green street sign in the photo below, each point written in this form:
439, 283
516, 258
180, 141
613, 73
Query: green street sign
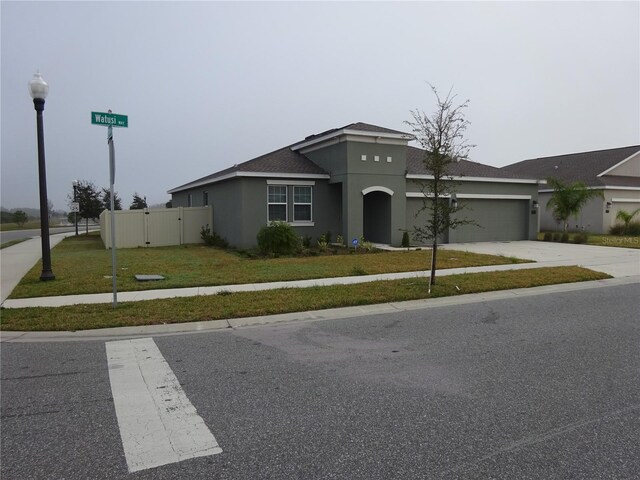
109, 119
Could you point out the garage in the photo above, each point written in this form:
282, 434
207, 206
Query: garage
499, 219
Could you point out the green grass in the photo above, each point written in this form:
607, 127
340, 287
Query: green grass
246, 304
627, 241
82, 266
8, 227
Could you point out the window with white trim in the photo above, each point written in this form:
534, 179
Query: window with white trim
277, 203
205, 199
189, 200
302, 200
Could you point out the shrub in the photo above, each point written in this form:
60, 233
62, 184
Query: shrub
327, 236
556, 236
581, 237
405, 240
367, 246
278, 238
633, 228
306, 241
547, 237
357, 271
322, 243
339, 239
617, 229
212, 239
564, 238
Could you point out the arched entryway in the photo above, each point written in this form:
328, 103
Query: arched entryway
376, 218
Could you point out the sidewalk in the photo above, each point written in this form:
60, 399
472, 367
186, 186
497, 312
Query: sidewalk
618, 262
17, 260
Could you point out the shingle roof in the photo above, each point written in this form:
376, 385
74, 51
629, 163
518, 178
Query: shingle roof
584, 167
287, 161
415, 166
283, 160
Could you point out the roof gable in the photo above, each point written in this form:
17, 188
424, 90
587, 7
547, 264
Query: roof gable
587, 167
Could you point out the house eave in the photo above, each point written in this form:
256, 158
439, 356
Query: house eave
348, 131
611, 187
414, 176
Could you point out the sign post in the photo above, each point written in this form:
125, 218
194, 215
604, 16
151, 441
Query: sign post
111, 120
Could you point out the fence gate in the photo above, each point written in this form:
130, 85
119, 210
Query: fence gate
161, 227
156, 227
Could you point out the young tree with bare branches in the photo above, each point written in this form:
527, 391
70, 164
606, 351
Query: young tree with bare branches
441, 135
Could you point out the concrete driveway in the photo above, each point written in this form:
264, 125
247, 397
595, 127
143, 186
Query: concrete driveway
617, 262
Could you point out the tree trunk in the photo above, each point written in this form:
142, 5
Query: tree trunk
433, 261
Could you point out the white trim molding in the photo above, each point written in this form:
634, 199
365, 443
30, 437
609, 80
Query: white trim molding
199, 183
413, 176
490, 196
355, 135
386, 190
298, 183
301, 224
625, 200
485, 196
632, 189
618, 164
423, 195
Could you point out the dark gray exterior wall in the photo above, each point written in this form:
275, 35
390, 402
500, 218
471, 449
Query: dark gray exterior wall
500, 219
240, 203
344, 163
226, 199
240, 207
325, 209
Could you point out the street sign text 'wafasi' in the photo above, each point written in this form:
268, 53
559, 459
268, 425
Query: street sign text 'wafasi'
109, 119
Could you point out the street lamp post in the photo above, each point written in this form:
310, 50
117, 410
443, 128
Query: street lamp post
75, 214
38, 89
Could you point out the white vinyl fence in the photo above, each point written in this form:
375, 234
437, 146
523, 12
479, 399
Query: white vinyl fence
156, 227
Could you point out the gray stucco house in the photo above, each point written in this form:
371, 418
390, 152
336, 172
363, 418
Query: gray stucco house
357, 180
615, 172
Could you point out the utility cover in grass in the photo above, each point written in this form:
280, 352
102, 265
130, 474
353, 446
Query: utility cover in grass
149, 278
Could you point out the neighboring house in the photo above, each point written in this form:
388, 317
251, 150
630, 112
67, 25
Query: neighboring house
357, 180
615, 172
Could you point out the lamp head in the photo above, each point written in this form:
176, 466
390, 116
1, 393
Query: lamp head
38, 88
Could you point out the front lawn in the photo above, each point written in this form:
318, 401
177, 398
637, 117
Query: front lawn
248, 304
82, 266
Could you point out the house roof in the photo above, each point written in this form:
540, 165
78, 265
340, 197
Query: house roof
463, 168
281, 161
358, 126
289, 162
584, 167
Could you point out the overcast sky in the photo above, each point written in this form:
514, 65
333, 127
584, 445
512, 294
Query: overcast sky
210, 84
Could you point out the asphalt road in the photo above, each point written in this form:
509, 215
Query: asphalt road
11, 235
535, 387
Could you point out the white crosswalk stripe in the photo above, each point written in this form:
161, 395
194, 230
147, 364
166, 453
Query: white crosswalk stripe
158, 424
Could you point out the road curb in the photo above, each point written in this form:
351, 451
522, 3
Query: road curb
306, 316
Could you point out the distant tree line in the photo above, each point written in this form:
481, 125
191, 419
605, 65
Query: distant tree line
93, 200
